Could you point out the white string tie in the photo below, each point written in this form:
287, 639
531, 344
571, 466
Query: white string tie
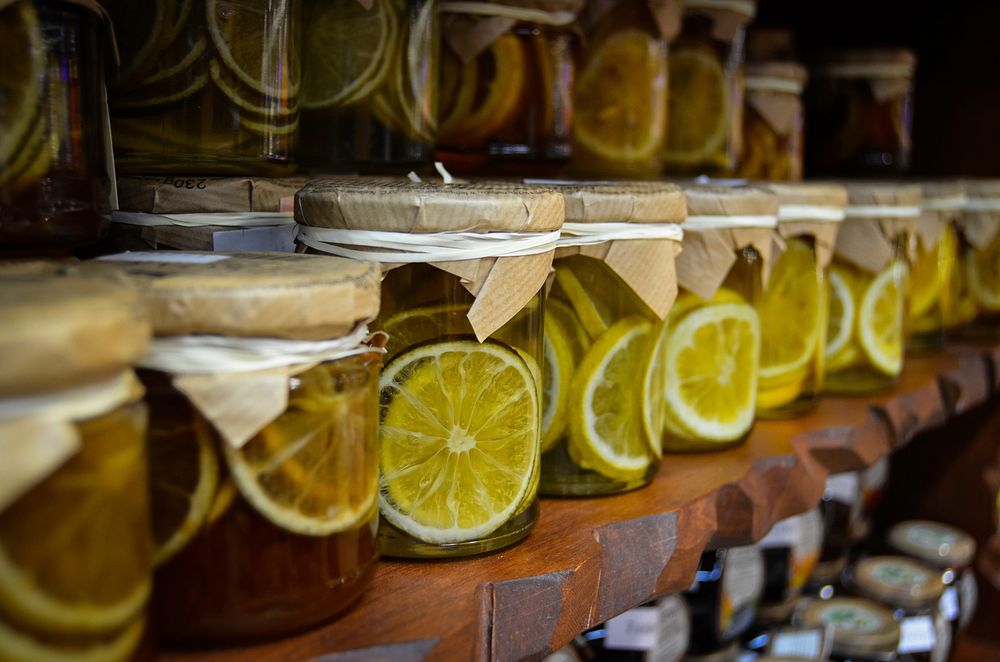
882, 211
587, 234
811, 213
730, 222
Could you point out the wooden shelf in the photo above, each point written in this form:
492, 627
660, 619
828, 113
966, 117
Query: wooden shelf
590, 559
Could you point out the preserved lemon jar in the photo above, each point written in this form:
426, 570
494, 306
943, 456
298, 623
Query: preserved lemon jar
605, 338
55, 185
620, 90
370, 84
868, 288
860, 113
773, 122
979, 287
714, 330
75, 550
705, 100
861, 630
793, 309
506, 95
262, 443
206, 87
934, 264
461, 391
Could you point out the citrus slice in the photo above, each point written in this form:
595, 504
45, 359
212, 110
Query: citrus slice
160, 94
654, 389
273, 108
270, 128
961, 308
416, 326
253, 39
23, 53
456, 458
791, 313
929, 274
559, 363
983, 275
840, 321
698, 106
606, 423
139, 29
165, 69
459, 81
335, 76
575, 333
75, 553
592, 312
17, 646
225, 496
621, 98
780, 395
183, 476
711, 371
880, 322
312, 470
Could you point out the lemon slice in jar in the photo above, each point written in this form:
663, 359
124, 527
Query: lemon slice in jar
698, 106
983, 274
840, 349
416, 326
18, 645
457, 459
22, 49
273, 108
606, 422
880, 322
618, 115
559, 362
139, 30
929, 272
654, 387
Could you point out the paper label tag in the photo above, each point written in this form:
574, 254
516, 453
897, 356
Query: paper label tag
798, 643
949, 603
968, 596
164, 256
280, 239
917, 634
942, 647
635, 630
784, 534
842, 488
674, 630
742, 585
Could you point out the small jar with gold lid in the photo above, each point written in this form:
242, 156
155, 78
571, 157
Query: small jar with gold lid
862, 630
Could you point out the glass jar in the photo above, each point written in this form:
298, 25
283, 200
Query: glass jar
714, 329
862, 630
773, 120
602, 429
791, 551
723, 600
980, 257
840, 507
262, 442
75, 551
620, 90
506, 101
705, 99
794, 307
871, 490
869, 288
206, 88
370, 85
55, 185
860, 113
459, 465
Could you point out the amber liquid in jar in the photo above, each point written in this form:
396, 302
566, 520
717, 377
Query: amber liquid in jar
767, 154
243, 571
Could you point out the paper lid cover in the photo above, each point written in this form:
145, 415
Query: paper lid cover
883, 194
713, 200
899, 581
272, 295
933, 542
746, 8
638, 202
59, 332
880, 62
811, 194
185, 195
421, 207
859, 626
780, 70
981, 188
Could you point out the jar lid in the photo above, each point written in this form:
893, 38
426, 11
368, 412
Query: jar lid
868, 63
867, 199
745, 8
776, 76
268, 295
742, 206
982, 195
942, 195
811, 201
638, 202
859, 627
184, 195
898, 581
59, 332
940, 545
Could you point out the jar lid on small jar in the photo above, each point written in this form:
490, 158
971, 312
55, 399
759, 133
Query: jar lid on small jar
940, 545
61, 332
776, 76
859, 627
899, 582
868, 63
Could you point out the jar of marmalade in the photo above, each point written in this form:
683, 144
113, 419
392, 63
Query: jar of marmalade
55, 184
210, 87
459, 463
979, 227
862, 630
605, 338
506, 100
262, 438
75, 552
773, 121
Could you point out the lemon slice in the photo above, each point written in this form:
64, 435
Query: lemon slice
75, 554
159, 94
16, 646
577, 336
791, 313
711, 365
880, 322
840, 322
654, 389
166, 69
606, 423
253, 41
457, 458
184, 474
225, 496
23, 52
983, 275
416, 326
621, 98
698, 106
559, 363
929, 274
961, 308
593, 319
271, 107
780, 395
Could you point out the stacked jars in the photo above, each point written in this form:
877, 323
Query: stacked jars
868, 288
614, 283
705, 120
459, 463
773, 122
793, 309
506, 84
75, 554
263, 411
978, 275
714, 329
55, 182
723, 600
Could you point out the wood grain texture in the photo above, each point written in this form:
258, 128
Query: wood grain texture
590, 559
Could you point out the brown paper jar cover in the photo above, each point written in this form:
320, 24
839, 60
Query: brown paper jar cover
185, 195
270, 295
979, 224
780, 108
469, 34
727, 16
884, 194
921, 589
666, 14
935, 543
711, 200
867, 63
60, 332
634, 202
879, 636
815, 194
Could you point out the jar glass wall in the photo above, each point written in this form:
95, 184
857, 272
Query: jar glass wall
773, 122
54, 178
979, 226
931, 290
370, 85
246, 546
206, 87
724, 598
